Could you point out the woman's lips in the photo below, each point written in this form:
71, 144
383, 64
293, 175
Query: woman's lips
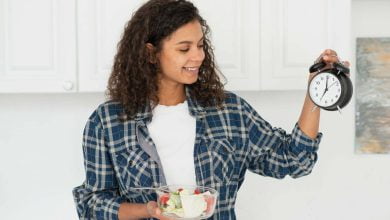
193, 70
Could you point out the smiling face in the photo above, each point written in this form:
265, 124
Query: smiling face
181, 56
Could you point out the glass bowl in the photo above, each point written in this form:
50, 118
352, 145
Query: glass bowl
187, 202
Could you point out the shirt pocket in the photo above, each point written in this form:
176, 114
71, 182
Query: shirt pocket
134, 168
222, 160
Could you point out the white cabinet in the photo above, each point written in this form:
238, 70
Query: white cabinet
294, 33
235, 36
234, 26
100, 25
259, 45
37, 46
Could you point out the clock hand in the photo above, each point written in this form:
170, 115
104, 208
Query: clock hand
326, 89
332, 84
326, 85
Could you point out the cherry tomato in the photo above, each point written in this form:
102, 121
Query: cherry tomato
164, 199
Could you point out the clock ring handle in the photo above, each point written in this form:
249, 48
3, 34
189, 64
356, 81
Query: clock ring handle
317, 67
341, 68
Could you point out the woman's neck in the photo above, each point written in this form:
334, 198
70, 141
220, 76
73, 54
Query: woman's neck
171, 95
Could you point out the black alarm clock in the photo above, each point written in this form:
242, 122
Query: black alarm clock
331, 88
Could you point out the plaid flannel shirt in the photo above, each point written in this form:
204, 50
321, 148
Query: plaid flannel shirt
121, 156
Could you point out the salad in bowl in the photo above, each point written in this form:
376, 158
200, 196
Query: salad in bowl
187, 202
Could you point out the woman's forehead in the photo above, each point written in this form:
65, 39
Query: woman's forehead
189, 33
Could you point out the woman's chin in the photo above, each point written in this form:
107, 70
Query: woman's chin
191, 79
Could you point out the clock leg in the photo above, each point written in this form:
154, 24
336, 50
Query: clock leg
338, 108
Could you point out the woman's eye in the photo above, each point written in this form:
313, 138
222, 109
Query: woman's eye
184, 50
200, 46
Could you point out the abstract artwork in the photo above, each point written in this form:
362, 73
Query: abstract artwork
372, 96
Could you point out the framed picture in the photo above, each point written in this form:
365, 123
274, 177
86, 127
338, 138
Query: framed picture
372, 95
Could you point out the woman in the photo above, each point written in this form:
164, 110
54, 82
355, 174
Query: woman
169, 121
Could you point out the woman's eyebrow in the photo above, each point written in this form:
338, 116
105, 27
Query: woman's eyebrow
189, 42
185, 42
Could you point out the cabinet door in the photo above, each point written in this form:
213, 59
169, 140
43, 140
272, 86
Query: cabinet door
37, 46
235, 37
234, 26
100, 25
294, 33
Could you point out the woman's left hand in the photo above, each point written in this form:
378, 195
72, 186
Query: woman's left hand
330, 56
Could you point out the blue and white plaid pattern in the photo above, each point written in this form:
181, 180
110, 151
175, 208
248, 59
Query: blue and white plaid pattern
121, 156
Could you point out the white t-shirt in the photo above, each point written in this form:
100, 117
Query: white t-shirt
173, 131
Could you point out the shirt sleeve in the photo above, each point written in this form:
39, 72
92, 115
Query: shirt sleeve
98, 196
273, 152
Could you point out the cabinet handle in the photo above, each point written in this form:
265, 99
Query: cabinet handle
67, 85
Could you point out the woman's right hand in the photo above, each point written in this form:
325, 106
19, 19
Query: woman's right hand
155, 211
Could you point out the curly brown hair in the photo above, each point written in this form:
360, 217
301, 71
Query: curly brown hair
133, 81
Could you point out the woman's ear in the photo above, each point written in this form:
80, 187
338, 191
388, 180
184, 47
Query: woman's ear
151, 50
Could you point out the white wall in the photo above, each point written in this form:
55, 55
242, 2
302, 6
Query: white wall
40, 153
41, 161
41, 157
343, 185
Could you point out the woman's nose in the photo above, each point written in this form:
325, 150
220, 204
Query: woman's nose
197, 54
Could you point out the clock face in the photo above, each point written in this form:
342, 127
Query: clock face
325, 89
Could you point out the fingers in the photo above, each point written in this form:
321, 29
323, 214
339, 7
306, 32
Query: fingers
330, 56
346, 63
153, 208
158, 212
150, 207
155, 211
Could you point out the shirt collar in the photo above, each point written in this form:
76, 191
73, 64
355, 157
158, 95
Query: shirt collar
194, 108
145, 114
